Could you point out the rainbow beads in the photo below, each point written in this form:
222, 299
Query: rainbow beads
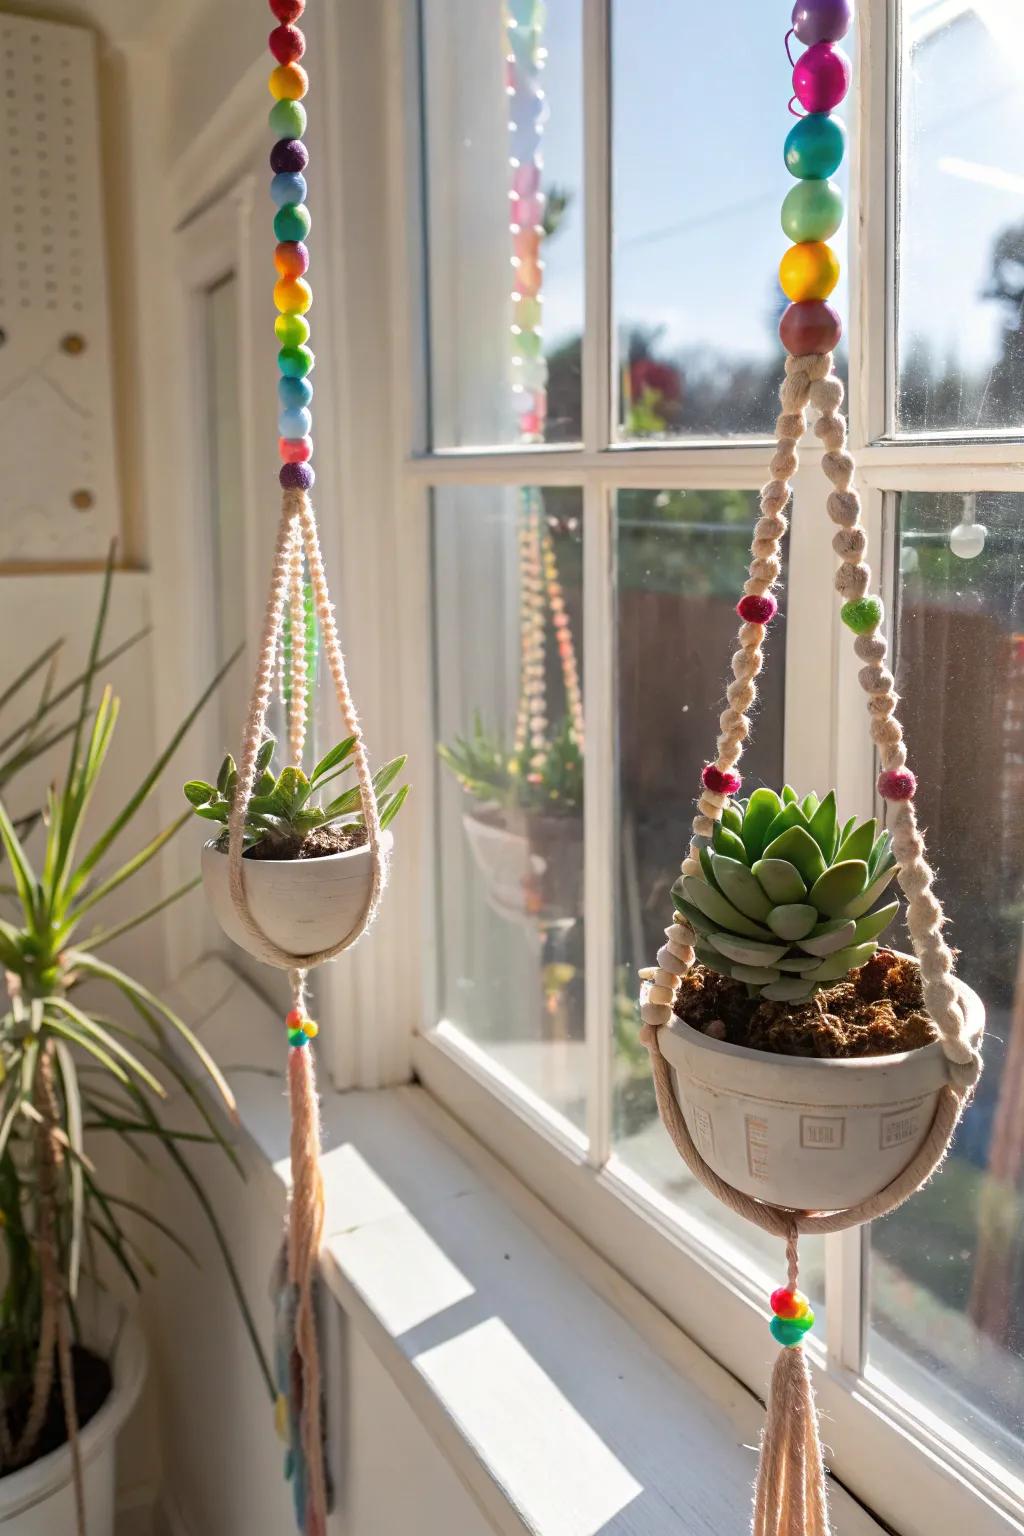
792, 1317
293, 296
813, 208
300, 1029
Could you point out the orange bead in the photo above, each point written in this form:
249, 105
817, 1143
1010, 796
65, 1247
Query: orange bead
292, 295
288, 82
809, 270
291, 258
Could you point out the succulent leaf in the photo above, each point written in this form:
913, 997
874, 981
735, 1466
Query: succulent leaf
789, 795
881, 855
789, 990
698, 920
790, 816
873, 924
725, 841
798, 963
797, 847
858, 843
713, 960
747, 951
866, 900
738, 885
762, 808
779, 881
823, 826
836, 965
810, 805
756, 975
828, 937
732, 818
709, 900
792, 920
837, 887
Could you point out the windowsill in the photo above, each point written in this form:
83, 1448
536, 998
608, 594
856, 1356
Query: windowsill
564, 1401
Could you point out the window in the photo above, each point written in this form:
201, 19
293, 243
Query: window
598, 396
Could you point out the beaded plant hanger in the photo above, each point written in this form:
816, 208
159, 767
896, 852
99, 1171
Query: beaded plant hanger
790, 1498
298, 606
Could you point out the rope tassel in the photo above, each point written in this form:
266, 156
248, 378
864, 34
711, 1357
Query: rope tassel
789, 1495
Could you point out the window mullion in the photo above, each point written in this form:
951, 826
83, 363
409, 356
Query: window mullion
597, 349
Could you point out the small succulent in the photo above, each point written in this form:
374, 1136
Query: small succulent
551, 780
786, 898
282, 810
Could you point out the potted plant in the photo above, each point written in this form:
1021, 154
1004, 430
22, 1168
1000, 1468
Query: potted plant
804, 1061
73, 1075
525, 825
306, 864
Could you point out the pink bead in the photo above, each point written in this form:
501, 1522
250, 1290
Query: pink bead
757, 610
897, 784
530, 423
295, 450
721, 781
526, 179
821, 77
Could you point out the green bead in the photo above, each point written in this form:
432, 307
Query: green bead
291, 330
813, 210
288, 119
296, 1037
526, 344
292, 222
815, 147
790, 1331
527, 313
863, 615
295, 362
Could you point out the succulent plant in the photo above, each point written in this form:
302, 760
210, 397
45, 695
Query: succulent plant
786, 899
491, 772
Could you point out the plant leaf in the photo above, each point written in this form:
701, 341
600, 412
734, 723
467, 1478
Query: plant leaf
330, 759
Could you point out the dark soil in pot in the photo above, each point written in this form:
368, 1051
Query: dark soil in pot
318, 844
93, 1385
875, 1011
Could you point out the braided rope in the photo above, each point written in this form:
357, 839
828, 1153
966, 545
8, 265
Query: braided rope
298, 703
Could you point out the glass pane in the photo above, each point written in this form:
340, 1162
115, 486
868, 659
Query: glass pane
698, 182
507, 619
961, 231
682, 561
504, 187
948, 1269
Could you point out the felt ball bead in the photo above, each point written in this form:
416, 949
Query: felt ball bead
787, 1331
310, 1029
289, 155
787, 1303
294, 393
296, 1037
722, 781
292, 295
296, 477
293, 1019
295, 450
291, 258
897, 784
292, 222
288, 119
295, 421
821, 21
757, 610
809, 328
809, 270
821, 77
291, 330
287, 43
287, 11
812, 210
863, 615
288, 82
288, 187
295, 362
815, 147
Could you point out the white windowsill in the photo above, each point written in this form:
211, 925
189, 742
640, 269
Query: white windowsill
567, 1404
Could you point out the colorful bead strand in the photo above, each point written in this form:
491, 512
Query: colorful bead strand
292, 294
791, 1316
813, 209
527, 109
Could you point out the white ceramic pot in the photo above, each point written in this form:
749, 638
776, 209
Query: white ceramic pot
532, 865
39, 1500
303, 905
801, 1132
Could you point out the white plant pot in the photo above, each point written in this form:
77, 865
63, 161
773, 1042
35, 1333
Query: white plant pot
39, 1500
532, 865
302, 905
796, 1131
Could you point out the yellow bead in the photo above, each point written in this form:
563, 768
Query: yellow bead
809, 270
281, 1417
311, 1028
292, 295
288, 82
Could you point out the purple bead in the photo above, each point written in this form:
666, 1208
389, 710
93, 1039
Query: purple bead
821, 77
297, 477
821, 21
289, 155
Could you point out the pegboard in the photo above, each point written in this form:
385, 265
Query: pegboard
59, 503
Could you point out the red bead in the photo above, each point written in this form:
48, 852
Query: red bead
295, 450
291, 258
293, 1019
721, 781
897, 784
287, 10
757, 610
287, 44
809, 327
785, 1303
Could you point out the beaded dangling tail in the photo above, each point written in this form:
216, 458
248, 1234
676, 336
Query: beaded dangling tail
789, 1495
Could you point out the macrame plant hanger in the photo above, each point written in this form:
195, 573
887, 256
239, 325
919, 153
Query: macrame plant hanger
298, 604
790, 1497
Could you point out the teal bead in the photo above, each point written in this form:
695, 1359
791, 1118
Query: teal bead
296, 1037
789, 1331
288, 119
295, 362
292, 222
815, 147
294, 393
813, 210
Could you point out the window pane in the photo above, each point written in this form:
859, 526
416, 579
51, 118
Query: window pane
503, 128
682, 561
699, 179
961, 231
948, 1269
507, 618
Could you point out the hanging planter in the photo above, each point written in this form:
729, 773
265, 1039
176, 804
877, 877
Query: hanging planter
809, 1079
531, 864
